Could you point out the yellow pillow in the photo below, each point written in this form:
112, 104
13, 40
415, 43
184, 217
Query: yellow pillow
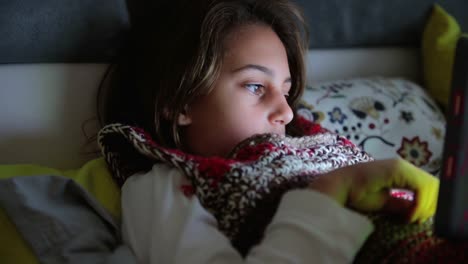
93, 176
438, 51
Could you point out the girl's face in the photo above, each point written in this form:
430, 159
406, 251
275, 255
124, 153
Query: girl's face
248, 98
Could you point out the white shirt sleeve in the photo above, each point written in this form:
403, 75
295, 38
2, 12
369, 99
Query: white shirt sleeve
162, 225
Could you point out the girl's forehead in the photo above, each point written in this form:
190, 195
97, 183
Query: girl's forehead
245, 30
253, 43
244, 38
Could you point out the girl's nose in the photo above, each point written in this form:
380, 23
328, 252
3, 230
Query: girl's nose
282, 113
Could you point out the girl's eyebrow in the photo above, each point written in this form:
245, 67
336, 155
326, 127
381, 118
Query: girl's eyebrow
255, 67
261, 68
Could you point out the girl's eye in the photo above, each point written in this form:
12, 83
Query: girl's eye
256, 89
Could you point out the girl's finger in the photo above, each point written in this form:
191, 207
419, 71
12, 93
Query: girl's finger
400, 204
426, 201
426, 187
366, 201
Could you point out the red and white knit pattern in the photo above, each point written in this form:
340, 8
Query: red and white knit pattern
243, 190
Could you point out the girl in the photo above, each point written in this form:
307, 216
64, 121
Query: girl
204, 80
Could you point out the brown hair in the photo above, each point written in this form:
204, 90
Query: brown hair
174, 62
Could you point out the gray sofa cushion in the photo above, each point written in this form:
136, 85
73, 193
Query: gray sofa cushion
92, 31
351, 23
61, 31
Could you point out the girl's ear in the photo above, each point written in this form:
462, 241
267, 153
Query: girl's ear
184, 118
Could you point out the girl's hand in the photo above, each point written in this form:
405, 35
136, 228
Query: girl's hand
366, 187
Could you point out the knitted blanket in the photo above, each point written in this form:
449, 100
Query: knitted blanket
243, 190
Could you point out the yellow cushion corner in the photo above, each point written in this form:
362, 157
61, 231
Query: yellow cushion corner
13, 249
94, 176
439, 42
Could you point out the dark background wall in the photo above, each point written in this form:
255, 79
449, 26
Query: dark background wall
347, 23
92, 31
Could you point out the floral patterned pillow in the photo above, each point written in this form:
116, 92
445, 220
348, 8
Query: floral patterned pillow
387, 117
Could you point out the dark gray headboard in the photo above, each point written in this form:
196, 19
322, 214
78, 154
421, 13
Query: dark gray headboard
61, 30
350, 23
92, 30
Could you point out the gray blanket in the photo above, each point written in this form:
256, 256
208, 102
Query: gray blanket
61, 221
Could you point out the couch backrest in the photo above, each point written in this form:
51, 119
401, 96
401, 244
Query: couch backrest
92, 31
